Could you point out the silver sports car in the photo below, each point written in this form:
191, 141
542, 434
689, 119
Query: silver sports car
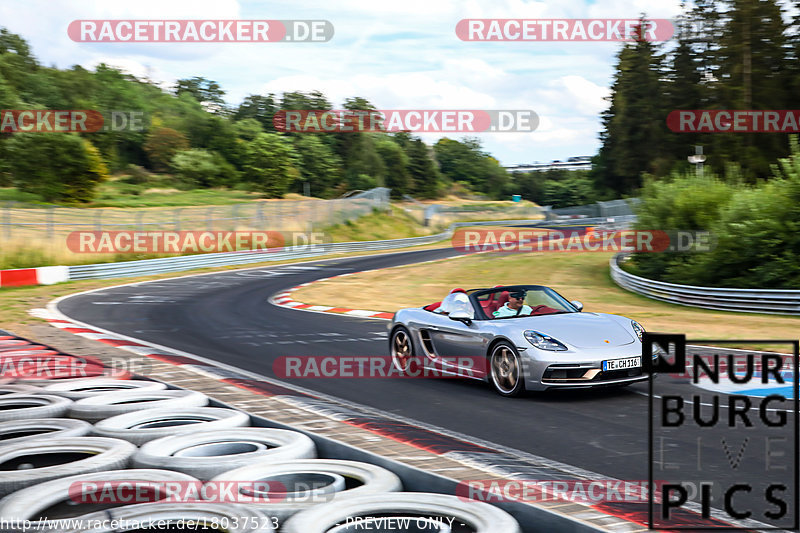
518, 337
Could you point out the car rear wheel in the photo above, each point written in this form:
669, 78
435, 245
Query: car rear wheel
402, 349
505, 370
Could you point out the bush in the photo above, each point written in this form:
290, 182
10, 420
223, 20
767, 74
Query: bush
201, 168
269, 161
361, 182
136, 175
757, 229
59, 167
161, 146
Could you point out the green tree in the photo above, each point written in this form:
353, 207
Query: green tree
465, 162
70, 172
161, 146
753, 73
422, 169
247, 129
318, 165
634, 124
270, 164
203, 90
260, 108
363, 159
16, 61
396, 163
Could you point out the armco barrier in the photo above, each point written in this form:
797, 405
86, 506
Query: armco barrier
771, 301
189, 262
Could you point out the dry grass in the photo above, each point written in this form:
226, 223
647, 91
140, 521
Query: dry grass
577, 276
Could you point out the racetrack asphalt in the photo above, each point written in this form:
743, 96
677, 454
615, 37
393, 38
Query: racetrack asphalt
227, 317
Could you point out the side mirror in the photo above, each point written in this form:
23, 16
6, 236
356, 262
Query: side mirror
577, 305
461, 316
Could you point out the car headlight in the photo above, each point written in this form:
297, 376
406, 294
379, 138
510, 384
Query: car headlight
544, 342
638, 329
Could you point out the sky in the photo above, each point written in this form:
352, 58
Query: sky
397, 55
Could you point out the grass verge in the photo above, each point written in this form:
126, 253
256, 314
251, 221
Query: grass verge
32, 251
576, 276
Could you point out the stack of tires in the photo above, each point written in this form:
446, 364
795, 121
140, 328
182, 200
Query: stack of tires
132, 455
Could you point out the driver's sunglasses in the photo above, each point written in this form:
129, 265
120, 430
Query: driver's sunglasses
521, 297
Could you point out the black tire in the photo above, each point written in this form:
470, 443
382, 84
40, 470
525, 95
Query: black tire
89, 387
102, 406
401, 348
29, 406
143, 426
213, 452
14, 431
506, 372
80, 455
31, 503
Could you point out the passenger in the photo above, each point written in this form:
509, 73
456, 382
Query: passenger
515, 306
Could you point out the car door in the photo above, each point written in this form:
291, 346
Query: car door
460, 344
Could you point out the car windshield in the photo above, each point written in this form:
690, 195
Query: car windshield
504, 302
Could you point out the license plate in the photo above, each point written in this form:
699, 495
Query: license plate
622, 364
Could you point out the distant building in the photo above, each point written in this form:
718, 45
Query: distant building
582, 162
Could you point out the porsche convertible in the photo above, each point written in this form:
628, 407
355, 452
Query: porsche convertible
523, 337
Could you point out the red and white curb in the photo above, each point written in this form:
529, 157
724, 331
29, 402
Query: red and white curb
23, 277
284, 298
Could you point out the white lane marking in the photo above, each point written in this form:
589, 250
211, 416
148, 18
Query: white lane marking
361, 312
721, 404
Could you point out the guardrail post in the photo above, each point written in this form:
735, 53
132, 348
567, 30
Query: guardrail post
177, 219
210, 219
98, 220
50, 211
234, 216
259, 222
7, 219
139, 224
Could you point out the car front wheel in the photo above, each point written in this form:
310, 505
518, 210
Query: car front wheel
402, 349
505, 370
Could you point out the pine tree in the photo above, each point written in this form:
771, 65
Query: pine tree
753, 74
634, 123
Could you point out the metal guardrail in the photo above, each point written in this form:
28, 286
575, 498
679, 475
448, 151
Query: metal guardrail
189, 262
771, 301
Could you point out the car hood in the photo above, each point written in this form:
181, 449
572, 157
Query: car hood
581, 330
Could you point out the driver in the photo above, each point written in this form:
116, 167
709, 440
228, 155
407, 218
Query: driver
515, 306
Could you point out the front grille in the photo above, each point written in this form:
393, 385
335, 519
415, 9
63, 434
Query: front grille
618, 374
561, 373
